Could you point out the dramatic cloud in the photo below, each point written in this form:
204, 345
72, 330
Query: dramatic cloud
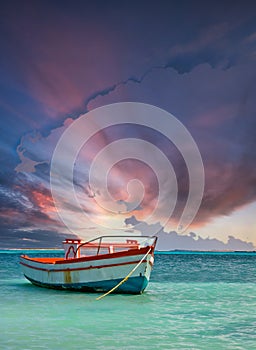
191, 241
212, 103
217, 127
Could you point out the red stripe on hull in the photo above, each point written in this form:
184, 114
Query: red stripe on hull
81, 268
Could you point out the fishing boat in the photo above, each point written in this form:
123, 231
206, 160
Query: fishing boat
117, 264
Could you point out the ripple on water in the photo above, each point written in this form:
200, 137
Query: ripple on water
191, 303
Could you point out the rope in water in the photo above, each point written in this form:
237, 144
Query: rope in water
126, 278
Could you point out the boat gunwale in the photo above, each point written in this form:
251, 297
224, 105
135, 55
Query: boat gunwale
61, 261
90, 267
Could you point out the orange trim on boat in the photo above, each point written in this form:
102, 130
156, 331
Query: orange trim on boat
88, 258
42, 260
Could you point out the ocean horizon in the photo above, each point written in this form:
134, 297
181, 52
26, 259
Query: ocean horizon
174, 251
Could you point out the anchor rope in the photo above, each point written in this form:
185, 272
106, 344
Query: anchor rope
126, 277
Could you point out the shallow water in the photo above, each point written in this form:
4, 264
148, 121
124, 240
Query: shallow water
193, 301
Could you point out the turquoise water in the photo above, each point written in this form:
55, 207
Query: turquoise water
193, 301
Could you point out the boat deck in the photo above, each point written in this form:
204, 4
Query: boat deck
45, 260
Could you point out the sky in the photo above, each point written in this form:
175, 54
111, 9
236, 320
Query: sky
61, 61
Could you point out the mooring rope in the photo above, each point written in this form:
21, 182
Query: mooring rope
126, 278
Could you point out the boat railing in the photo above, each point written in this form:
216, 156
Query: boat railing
113, 244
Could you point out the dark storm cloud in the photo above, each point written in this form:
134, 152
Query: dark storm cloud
25, 205
218, 106
62, 47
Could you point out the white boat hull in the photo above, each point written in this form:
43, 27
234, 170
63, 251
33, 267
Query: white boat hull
96, 274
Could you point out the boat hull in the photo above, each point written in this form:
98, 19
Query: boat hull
135, 285
92, 274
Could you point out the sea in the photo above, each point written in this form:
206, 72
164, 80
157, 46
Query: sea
194, 300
